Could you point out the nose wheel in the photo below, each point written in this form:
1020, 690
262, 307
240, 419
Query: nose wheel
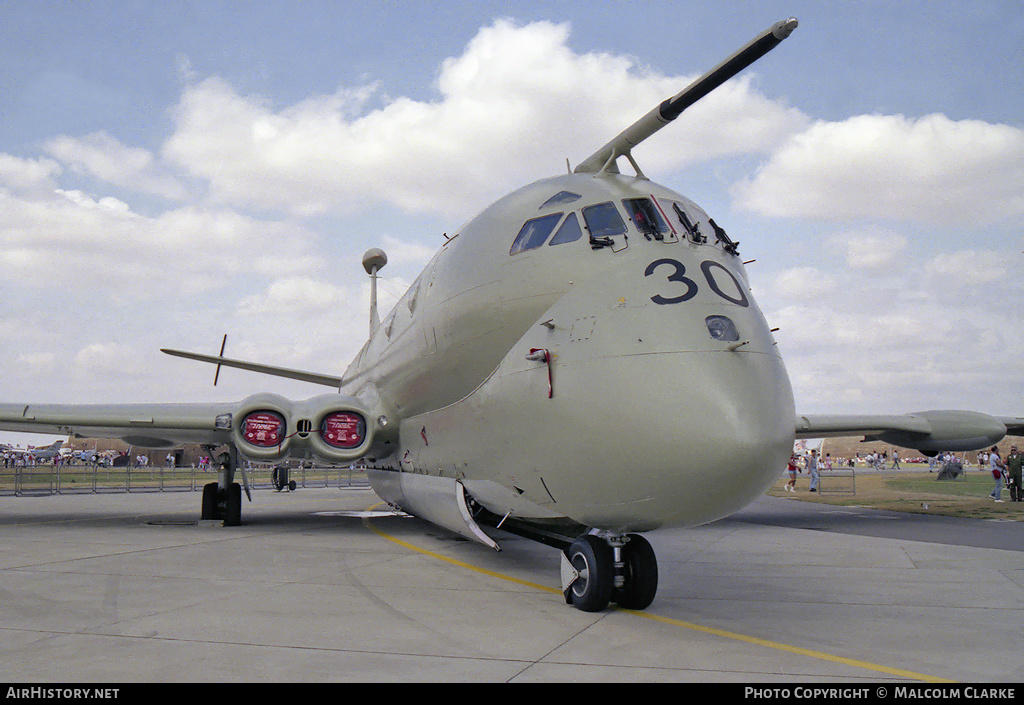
223, 499
598, 569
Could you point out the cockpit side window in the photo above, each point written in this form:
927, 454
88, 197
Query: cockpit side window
569, 232
534, 233
646, 218
603, 220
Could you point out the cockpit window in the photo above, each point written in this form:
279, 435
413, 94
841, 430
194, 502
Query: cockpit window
569, 232
561, 197
646, 218
603, 220
534, 233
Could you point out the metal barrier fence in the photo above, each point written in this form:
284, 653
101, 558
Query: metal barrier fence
47, 479
837, 481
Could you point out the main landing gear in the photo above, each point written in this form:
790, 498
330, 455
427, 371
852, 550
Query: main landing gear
223, 499
279, 478
607, 567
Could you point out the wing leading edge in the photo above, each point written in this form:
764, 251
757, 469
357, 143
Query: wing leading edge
147, 425
926, 431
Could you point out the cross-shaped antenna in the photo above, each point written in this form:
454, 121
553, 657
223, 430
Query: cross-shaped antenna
222, 344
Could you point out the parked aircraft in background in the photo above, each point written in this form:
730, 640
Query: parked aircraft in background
46, 452
42, 453
581, 362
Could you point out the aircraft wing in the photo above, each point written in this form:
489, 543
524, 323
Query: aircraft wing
149, 425
927, 431
262, 426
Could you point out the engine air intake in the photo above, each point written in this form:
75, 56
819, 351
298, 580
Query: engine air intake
264, 429
343, 429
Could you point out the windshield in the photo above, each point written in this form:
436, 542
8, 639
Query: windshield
534, 233
603, 220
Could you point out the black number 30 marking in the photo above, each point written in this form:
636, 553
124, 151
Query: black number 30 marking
679, 275
708, 267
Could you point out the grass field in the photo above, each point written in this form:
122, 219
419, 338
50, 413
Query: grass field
910, 491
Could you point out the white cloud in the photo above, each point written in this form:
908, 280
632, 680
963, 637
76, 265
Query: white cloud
28, 175
299, 297
803, 283
930, 333
512, 107
872, 249
106, 158
100, 360
36, 363
889, 166
106, 203
969, 266
408, 253
98, 243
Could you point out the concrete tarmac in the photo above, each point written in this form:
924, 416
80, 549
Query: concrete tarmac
128, 588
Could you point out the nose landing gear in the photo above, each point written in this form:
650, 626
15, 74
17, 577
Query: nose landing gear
608, 567
223, 499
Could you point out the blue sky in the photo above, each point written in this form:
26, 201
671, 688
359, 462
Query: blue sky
174, 171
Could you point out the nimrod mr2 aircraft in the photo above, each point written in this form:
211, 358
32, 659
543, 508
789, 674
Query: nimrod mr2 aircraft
567, 367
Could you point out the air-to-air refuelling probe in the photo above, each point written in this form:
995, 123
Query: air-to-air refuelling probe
570, 366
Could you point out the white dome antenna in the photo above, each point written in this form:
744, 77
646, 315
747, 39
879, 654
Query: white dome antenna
374, 260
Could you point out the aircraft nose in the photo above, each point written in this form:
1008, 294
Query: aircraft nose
681, 429
681, 440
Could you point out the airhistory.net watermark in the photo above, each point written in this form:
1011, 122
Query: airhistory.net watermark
41, 693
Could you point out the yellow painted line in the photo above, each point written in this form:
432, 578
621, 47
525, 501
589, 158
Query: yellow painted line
668, 620
460, 564
793, 649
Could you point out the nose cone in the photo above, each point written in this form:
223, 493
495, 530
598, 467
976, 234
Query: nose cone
678, 429
678, 439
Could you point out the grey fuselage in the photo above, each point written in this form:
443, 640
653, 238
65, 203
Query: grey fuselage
595, 383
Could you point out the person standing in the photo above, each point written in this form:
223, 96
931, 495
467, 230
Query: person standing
1013, 469
812, 469
996, 463
792, 468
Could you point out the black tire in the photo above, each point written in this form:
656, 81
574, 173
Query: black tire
641, 574
209, 510
592, 559
233, 517
291, 485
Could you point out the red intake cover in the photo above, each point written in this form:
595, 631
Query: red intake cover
343, 429
264, 429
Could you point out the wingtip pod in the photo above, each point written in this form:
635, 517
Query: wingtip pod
930, 432
949, 431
